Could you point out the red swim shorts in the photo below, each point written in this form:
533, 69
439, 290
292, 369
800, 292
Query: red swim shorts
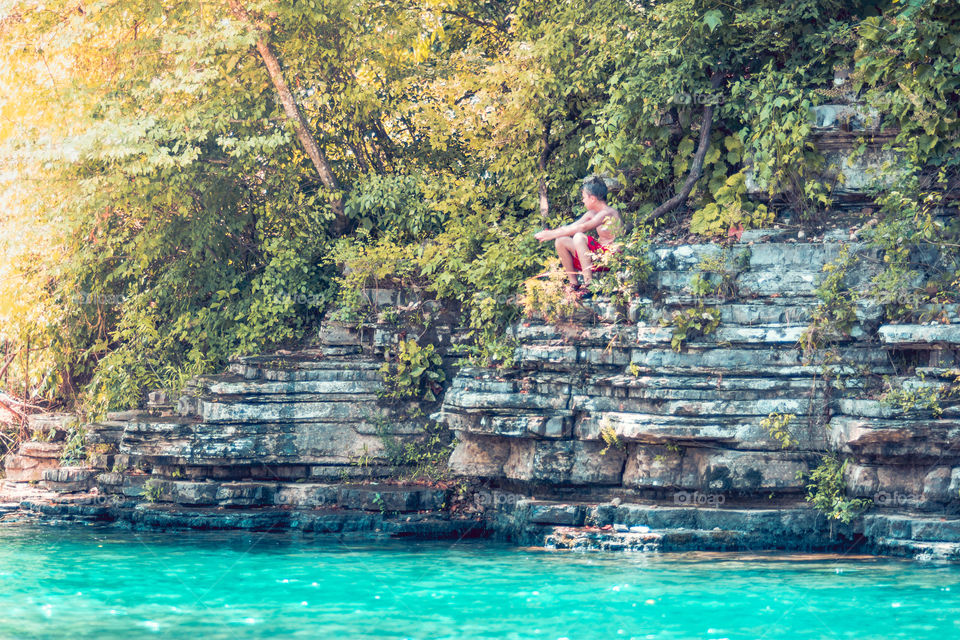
595, 247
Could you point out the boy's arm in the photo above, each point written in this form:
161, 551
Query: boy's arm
586, 222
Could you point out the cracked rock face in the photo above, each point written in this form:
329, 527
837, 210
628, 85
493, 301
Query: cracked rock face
699, 419
596, 415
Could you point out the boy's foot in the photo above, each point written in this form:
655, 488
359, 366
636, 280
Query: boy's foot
573, 291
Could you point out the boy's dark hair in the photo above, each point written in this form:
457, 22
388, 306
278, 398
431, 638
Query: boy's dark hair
597, 188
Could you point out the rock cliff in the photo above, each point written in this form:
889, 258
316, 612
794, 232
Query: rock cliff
608, 430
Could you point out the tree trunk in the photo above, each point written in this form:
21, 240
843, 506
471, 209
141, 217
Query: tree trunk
548, 148
696, 168
292, 110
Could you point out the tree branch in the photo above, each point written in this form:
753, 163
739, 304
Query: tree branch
548, 149
696, 168
292, 110
496, 26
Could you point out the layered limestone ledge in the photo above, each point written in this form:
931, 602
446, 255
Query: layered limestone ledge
635, 437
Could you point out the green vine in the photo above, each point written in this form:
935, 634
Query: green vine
836, 313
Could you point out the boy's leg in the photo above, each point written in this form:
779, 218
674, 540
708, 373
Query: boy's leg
582, 248
568, 258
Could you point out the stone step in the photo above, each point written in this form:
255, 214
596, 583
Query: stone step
629, 385
68, 479
912, 527
351, 383
376, 497
917, 336
769, 255
799, 283
769, 334
670, 402
303, 366
696, 357
580, 462
930, 485
262, 442
770, 311
693, 515
918, 549
888, 439
734, 433
647, 334
700, 524
342, 409
870, 408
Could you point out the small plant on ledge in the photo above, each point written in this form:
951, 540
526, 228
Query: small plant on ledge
836, 314
415, 372
691, 323
610, 437
152, 490
777, 425
923, 397
826, 490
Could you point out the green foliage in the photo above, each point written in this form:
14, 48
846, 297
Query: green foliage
400, 203
906, 65
912, 220
717, 274
152, 490
424, 457
41, 435
783, 160
609, 435
691, 323
836, 313
378, 500
629, 269
367, 264
923, 396
164, 217
777, 424
74, 449
729, 210
826, 490
547, 296
413, 372
907, 70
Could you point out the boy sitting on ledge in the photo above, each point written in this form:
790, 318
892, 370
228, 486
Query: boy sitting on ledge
575, 248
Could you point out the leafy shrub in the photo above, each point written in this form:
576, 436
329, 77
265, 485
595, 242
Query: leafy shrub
777, 424
836, 313
826, 490
610, 437
423, 457
691, 323
370, 264
628, 268
728, 210
414, 372
547, 295
398, 203
152, 490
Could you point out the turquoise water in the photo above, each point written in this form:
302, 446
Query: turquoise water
87, 582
